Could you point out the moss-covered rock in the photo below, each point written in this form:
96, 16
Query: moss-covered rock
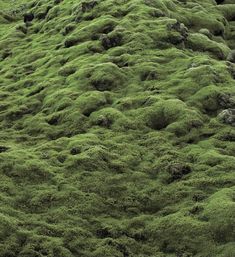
117, 128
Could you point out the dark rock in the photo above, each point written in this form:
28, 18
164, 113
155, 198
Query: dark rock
231, 56
104, 121
231, 69
178, 170
111, 40
61, 158
178, 33
6, 54
107, 28
3, 148
198, 197
103, 233
229, 136
219, 33
58, 1
28, 17
69, 42
148, 75
226, 100
69, 28
53, 121
75, 150
103, 84
219, 1
227, 116
179, 27
87, 6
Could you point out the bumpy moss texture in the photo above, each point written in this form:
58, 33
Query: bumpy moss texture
117, 128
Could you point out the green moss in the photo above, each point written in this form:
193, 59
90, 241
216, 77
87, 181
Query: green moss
173, 115
201, 43
219, 211
117, 134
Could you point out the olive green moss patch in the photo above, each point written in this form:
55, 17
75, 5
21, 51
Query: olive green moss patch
117, 128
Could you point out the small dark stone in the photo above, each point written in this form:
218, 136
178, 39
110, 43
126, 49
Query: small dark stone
28, 17
87, 6
219, 33
148, 75
69, 28
104, 84
71, 42
226, 100
53, 121
111, 40
231, 56
228, 116
178, 170
75, 150
57, 1
104, 122
61, 158
3, 148
195, 210
181, 28
103, 233
198, 197
6, 54
229, 136
219, 1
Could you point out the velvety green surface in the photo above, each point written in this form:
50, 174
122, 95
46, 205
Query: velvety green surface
116, 128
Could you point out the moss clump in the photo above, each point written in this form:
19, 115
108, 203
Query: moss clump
91, 101
201, 43
106, 77
67, 70
174, 116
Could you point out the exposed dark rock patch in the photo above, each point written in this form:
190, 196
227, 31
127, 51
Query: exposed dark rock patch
111, 40
149, 75
178, 171
28, 17
219, 1
53, 121
88, 5
231, 56
3, 148
228, 116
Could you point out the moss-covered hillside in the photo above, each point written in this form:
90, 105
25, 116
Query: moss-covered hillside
117, 128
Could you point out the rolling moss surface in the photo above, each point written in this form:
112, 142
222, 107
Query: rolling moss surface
117, 128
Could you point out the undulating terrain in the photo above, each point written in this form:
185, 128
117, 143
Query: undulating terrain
117, 128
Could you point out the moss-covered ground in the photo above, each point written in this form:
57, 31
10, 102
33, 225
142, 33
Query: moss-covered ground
117, 128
